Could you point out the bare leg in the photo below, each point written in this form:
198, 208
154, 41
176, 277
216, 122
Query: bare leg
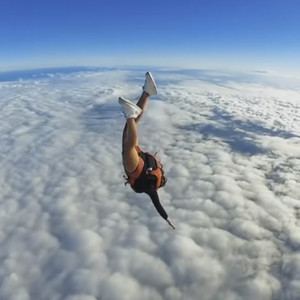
130, 155
142, 103
130, 137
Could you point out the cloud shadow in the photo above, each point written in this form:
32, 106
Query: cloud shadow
99, 115
238, 141
249, 126
238, 134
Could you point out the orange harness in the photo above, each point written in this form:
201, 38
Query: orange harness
148, 169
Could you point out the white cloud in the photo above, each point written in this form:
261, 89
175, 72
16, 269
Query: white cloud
70, 229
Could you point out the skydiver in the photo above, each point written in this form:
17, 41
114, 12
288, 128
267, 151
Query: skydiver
144, 172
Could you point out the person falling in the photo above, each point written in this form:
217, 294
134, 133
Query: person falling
144, 172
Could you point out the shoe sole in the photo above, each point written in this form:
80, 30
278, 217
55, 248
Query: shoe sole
153, 82
122, 100
129, 103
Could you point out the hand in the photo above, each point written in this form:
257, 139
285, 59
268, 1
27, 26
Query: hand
170, 223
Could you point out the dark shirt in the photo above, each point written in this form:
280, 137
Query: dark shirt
155, 200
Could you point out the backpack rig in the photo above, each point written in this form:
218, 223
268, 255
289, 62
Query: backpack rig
152, 176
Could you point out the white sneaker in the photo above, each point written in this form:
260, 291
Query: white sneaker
129, 109
150, 86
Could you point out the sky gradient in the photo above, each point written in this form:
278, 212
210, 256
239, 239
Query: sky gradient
238, 34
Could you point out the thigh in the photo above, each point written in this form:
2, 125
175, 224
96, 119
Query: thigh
124, 136
131, 159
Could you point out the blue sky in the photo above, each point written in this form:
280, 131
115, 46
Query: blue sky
204, 33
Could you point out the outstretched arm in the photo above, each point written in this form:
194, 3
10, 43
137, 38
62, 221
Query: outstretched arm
158, 206
155, 200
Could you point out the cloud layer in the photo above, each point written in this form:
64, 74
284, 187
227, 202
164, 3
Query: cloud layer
70, 229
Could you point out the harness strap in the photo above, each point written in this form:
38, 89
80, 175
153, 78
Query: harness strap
152, 170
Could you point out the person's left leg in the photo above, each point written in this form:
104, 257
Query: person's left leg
142, 103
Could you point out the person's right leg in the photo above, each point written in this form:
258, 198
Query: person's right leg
142, 103
130, 135
130, 141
